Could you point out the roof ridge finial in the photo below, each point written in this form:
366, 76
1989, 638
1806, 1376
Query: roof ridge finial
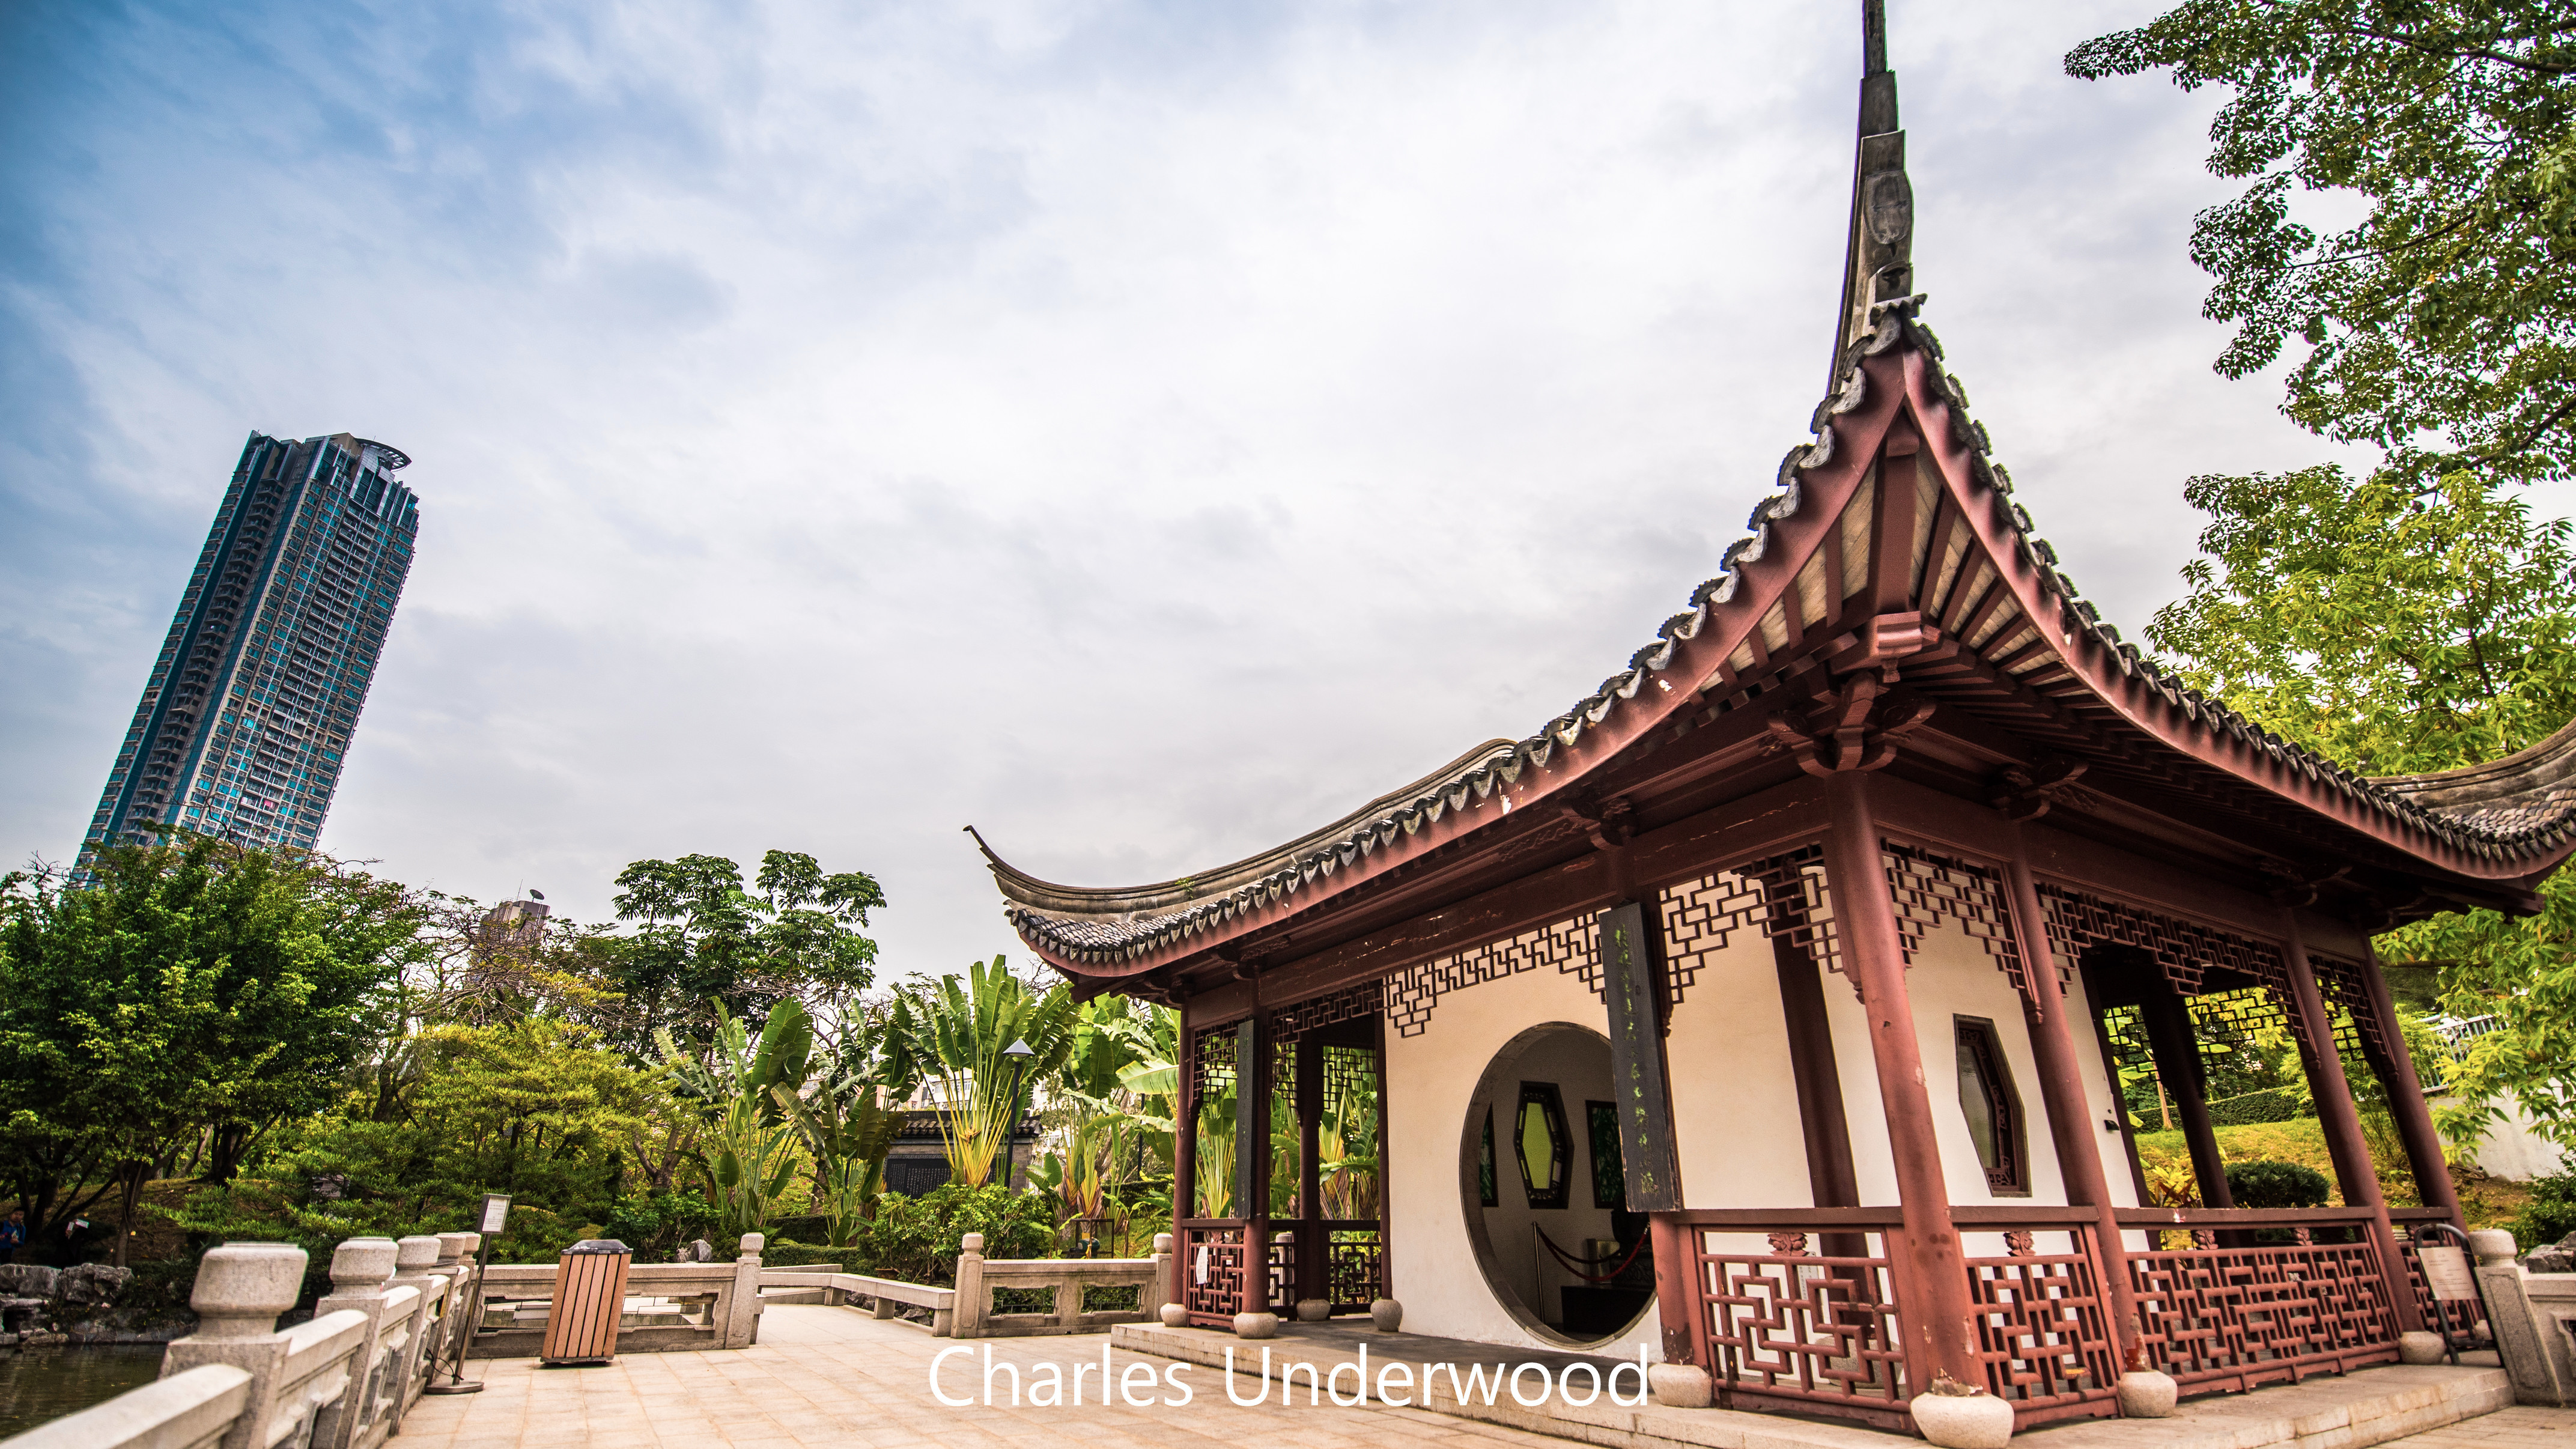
1878, 261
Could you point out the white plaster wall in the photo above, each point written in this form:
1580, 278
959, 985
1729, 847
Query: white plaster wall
1736, 1133
1873, 1163
1953, 977
1431, 1085
2512, 1150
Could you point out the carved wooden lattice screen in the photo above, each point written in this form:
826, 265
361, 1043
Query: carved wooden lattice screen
1568, 945
1299, 1019
1930, 888
2346, 994
2185, 951
1783, 895
1212, 1074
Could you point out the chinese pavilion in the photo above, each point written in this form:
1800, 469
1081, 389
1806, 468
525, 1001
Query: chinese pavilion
1789, 1004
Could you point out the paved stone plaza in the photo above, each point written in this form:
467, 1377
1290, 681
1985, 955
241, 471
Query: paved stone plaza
830, 1376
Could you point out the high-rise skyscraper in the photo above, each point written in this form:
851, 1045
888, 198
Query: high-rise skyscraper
247, 715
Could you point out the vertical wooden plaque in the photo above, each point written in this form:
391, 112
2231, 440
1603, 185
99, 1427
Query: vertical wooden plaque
1637, 1062
1251, 1128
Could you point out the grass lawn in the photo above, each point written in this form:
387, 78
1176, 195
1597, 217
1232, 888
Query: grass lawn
2487, 1202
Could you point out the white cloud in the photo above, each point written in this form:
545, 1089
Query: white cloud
1141, 434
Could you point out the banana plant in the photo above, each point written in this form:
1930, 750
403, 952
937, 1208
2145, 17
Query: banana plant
964, 1029
848, 1130
748, 1155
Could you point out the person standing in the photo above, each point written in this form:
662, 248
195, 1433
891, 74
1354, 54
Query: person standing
13, 1235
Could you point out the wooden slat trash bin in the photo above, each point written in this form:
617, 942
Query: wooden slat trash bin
590, 1300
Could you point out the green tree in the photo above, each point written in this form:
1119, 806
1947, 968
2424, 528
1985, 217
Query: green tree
2442, 326
706, 939
2400, 633
185, 985
2417, 619
537, 1107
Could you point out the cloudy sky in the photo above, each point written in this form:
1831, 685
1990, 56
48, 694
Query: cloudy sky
1142, 431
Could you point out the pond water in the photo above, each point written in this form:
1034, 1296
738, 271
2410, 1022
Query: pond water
39, 1385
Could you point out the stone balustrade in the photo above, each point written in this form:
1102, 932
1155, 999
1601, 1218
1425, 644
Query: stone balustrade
1065, 1281
2533, 1318
967, 1310
672, 1307
341, 1381
396, 1311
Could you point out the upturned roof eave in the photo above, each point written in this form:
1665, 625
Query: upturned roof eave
1257, 891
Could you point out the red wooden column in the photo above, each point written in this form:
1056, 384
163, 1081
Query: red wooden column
2342, 1124
2071, 1125
1925, 1262
1310, 1276
1252, 1156
1385, 1208
1185, 1139
2406, 1101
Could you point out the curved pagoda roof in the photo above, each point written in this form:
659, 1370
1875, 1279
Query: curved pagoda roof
1992, 649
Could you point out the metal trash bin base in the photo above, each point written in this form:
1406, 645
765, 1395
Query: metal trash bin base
589, 1302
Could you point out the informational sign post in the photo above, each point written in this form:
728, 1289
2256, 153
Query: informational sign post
2446, 1272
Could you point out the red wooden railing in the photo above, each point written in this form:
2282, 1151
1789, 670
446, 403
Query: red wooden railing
1353, 1273
1211, 1269
1781, 1325
2234, 1317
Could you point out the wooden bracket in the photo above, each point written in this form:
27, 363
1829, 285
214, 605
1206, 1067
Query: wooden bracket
2027, 793
1853, 727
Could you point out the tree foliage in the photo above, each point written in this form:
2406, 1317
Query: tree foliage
2417, 619
705, 938
185, 985
2441, 327
2396, 632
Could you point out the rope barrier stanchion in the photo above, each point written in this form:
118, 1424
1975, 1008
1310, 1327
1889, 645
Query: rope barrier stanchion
1575, 1265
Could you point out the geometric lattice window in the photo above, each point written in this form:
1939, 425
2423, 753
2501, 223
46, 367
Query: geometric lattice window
1568, 945
1929, 889
1783, 895
1543, 1145
1992, 1107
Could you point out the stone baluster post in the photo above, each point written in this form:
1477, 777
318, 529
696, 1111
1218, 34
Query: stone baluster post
1164, 1290
362, 1271
456, 1259
416, 1267
742, 1318
2532, 1345
973, 1298
241, 1288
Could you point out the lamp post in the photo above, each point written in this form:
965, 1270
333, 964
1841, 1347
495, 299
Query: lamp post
1019, 1053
